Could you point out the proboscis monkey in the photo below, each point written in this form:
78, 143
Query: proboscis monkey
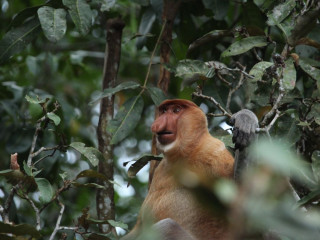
191, 155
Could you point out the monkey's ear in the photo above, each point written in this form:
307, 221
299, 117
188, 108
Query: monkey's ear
244, 124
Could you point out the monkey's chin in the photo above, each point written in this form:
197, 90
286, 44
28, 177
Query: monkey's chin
167, 147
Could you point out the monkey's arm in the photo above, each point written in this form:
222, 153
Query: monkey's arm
244, 124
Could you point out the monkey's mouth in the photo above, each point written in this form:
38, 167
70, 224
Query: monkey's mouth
164, 133
166, 137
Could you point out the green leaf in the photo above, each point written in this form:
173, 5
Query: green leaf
280, 12
309, 69
34, 100
310, 61
27, 169
157, 95
245, 45
92, 154
53, 22
91, 185
19, 230
13, 176
18, 38
258, 70
91, 174
140, 163
118, 224
289, 75
80, 13
106, 5
313, 196
188, 68
126, 119
55, 118
110, 91
45, 189
218, 7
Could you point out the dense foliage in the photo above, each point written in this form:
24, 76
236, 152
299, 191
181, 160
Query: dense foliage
225, 55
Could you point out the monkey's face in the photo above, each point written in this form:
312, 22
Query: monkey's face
165, 126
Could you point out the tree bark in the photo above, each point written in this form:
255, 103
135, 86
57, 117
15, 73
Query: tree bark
170, 9
105, 197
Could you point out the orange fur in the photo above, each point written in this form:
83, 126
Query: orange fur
193, 151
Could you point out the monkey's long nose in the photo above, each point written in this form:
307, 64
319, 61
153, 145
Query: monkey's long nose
159, 124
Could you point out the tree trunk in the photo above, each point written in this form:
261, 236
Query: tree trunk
105, 197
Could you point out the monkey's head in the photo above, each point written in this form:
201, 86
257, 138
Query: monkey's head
178, 124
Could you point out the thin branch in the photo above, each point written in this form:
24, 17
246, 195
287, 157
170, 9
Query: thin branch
65, 187
43, 149
224, 112
57, 228
38, 219
49, 155
233, 90
153, 53
7, 205
38, 130
68, 228
238, 70
270, 125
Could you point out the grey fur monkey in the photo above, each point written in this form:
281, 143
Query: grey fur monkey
245, 123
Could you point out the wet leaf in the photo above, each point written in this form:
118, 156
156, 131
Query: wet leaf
91, 174
55, 118
80, 13
309, 69
91, 153
126, 119
19, 230
140, 163
157, 95
53, 22
91, 185
110, 91
34, 100
289, 75
245, 45
280, 12
18, 38
258, 70
45, 189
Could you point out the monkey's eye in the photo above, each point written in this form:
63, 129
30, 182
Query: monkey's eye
163, 110
177, 109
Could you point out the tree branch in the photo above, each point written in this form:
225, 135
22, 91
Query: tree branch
57, 228
215, 102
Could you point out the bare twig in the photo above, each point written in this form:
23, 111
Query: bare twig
7, 205
211, 99
239, 70
233, 90
36, 134
270, 125
57, 228
36, 210
65, 187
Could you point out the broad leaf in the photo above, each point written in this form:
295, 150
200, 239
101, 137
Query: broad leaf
110, 91
80, 13
19, 230
193, 70
289, 75
91, 174
92, 154
91, 185
55, 118
126, 119
34, 100
27, 169
309, 69
280, 12
53, 22
140, 163
18, 38
118, 224
106, 5
245, 45
45, 189
258, 70
157, 95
